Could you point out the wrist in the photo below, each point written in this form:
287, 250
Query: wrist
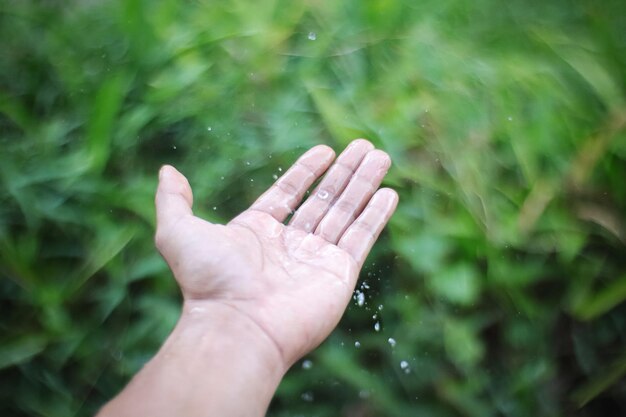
211, 325
214, 358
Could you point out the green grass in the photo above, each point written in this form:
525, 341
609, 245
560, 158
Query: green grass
501, 276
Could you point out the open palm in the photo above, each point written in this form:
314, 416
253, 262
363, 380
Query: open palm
293, 281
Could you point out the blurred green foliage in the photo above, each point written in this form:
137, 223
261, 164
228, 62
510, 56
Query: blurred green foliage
502, 277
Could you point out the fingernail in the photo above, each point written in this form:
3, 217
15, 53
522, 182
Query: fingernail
163, 172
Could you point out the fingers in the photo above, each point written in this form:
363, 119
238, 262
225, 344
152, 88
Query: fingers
308, 216
174, 198
361, 235
286, 193
358, 192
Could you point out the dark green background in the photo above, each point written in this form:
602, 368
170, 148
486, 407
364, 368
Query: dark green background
502, 277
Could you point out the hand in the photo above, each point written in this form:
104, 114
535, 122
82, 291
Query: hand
291, 281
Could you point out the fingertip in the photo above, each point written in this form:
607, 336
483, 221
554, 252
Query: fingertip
164, 171
363, 143
317, 159
381, 157
325, 151
169, 172
172, 181
389, 194
387, 199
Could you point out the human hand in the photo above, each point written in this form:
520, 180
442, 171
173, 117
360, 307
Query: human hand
292, 281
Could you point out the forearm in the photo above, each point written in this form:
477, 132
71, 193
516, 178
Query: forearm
215, 363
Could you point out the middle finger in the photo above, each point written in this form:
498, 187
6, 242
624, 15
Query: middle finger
308, 216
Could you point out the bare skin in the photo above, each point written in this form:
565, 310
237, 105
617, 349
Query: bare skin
258, 293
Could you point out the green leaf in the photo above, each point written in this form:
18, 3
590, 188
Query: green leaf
425, 252
111, 242
600, 382
105, 108
335, 116
459, 284
14, 110
601, 302
346, 368
586, 63
21, 350
462, 343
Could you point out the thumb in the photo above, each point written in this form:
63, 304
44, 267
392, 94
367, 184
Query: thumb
174, 198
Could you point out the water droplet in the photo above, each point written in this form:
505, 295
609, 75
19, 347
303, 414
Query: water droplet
312, 36
377, 326
392, 342
209, 128
214, 208
280, 169
222, 178
360, 298
307, 396
510, 118
247, 162
307, 364
404, 365
251, 179
323, 194
380, 307
357, 344
174, 147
